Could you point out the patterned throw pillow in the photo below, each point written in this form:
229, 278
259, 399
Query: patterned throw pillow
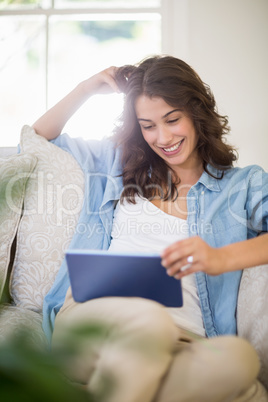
52, 204
14, 173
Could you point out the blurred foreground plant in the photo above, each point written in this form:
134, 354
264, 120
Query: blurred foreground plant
31, 374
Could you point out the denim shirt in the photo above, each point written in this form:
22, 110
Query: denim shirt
220, 210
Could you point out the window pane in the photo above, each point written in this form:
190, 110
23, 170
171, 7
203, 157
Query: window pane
22, 78
21, 4
82, 47
107, 3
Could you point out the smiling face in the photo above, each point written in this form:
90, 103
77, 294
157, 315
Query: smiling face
169, 132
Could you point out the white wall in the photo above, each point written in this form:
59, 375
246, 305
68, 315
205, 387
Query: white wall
226, 42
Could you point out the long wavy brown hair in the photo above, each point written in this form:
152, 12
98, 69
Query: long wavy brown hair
173, 80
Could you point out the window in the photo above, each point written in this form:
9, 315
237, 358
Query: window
49, 46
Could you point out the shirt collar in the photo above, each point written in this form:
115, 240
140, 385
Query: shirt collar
210, 182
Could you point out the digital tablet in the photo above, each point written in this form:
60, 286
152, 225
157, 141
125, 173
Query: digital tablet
95, 274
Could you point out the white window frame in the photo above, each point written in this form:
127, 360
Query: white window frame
173, 20
173, 23
91, 10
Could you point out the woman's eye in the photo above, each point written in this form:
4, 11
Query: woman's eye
173, 121
147, 127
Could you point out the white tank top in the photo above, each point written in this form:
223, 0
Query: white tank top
143, 227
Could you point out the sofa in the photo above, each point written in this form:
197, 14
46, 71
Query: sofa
41, 196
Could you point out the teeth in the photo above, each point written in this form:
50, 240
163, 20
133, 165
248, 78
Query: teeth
173, 148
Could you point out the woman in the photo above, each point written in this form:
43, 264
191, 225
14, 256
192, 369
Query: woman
177, 172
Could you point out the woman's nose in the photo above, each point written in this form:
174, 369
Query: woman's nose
164, 135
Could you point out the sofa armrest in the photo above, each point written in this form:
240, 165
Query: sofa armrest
252, 313
7, 151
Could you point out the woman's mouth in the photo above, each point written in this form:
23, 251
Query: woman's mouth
173, 149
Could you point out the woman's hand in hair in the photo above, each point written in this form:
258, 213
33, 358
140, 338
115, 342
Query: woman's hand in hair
192, 255
102, 83
50, 124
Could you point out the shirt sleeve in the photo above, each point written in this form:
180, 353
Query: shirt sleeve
90, 154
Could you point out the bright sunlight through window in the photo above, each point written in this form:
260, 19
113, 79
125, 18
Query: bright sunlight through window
47, 47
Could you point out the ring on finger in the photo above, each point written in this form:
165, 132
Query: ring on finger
190, 259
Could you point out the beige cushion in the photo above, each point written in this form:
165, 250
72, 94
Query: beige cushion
14, 173
252, 313
52, 204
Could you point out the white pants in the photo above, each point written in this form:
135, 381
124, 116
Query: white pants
144, 357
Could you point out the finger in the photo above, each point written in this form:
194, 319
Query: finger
111, 78
181, 265
190, 270
187, 269
178, 246
177, 255
105, 81
109, 85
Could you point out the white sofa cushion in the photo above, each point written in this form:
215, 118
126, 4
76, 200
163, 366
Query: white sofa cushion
252, 313
14, 172
52, 204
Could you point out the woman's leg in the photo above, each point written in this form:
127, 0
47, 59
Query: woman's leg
134, 353
211, 370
